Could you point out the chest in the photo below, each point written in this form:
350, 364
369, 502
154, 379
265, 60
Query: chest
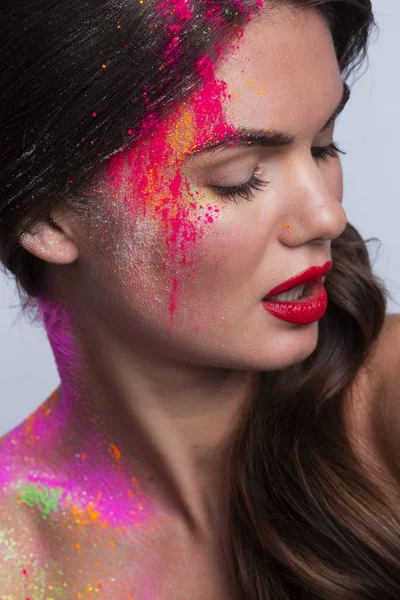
152, 567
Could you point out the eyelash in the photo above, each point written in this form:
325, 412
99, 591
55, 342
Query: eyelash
246, 190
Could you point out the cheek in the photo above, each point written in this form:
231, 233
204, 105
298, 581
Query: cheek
193, 261
228, 265
234, 243
154, 252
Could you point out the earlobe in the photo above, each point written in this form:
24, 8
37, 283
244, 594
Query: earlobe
47, 241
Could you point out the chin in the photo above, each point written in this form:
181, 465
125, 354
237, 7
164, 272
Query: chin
287, 349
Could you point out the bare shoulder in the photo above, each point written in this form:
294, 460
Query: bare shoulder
385, 407
378, 374
389, 354
377, 371
370, 404
387, 366
392, 344
18, 535
12, 534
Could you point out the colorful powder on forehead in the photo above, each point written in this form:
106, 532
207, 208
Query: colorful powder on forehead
155, 184
210, 119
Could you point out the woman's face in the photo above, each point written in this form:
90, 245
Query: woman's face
177, 269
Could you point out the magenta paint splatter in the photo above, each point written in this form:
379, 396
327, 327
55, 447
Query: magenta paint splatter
173, 52
154, 165
172, 301
176, 8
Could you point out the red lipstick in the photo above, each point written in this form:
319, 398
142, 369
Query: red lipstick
308, 276
310, 306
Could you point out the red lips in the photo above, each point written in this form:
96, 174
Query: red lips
308, 276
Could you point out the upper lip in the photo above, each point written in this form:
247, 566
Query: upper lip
308, 276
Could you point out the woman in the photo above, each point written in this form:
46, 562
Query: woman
165, 167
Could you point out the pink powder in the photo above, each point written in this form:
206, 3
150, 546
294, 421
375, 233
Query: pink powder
154, 164
173, 52
155, 181
176, 8
208, 104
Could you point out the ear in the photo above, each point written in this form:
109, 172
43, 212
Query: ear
51, 240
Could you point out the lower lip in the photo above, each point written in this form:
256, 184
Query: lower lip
303, 311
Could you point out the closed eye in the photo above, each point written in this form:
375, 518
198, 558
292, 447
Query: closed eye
246, 190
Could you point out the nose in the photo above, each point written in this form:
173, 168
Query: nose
314, 211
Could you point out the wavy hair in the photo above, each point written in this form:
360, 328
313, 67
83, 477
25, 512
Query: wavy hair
306, 521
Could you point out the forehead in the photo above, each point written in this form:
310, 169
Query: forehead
282, 72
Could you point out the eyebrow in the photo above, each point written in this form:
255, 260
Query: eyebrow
243, 137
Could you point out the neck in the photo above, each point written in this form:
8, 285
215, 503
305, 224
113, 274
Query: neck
133, 418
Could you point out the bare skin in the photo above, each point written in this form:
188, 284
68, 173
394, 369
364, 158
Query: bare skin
132, 503
373, 414
370, 410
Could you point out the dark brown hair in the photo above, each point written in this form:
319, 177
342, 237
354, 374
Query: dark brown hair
305, 520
